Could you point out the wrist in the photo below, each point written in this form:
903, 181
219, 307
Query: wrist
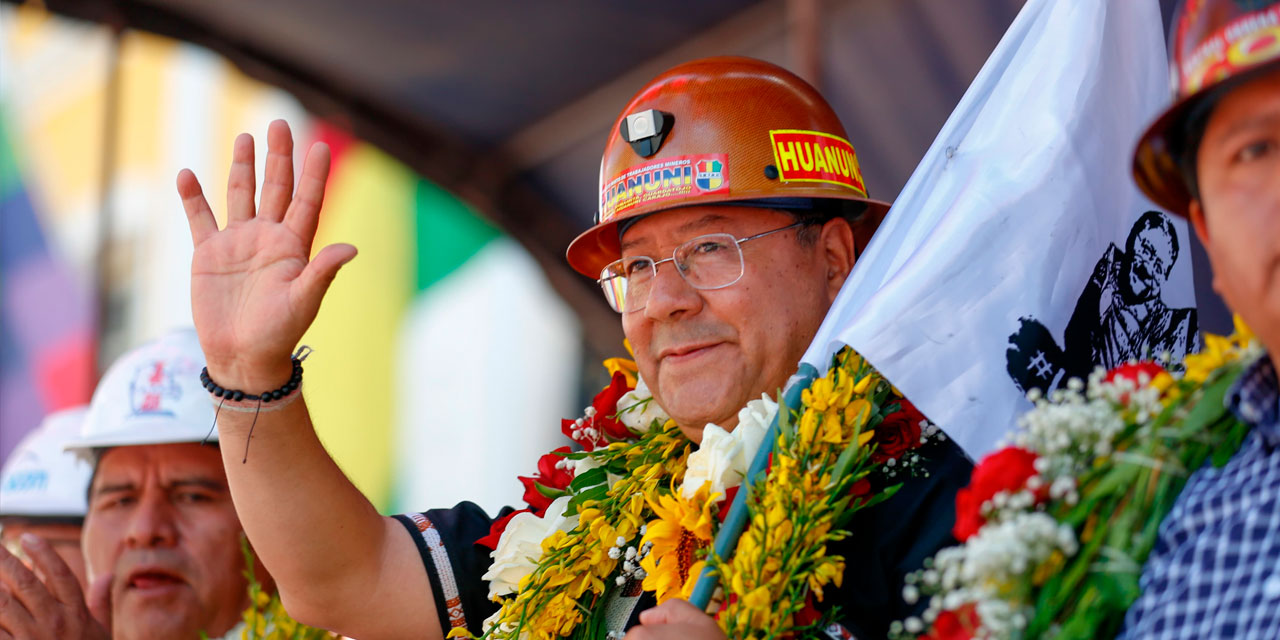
251, 377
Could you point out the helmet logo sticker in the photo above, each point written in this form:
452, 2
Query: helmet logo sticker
813, 156
152, 385
710, 175
1250, 40
29, 480
664, 179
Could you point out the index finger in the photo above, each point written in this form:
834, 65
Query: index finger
58, 578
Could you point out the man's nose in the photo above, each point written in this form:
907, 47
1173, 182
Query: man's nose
151, 524
670, 294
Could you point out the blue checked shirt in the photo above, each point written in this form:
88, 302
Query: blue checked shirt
1215, 568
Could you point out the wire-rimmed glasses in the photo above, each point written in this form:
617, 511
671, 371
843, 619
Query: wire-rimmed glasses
712, 261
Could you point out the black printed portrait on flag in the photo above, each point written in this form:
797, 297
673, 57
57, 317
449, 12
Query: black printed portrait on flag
1120, 315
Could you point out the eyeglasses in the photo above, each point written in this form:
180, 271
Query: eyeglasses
713, 261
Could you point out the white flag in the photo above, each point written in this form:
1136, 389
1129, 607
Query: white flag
1020, 254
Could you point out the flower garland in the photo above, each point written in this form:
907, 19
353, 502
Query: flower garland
638, 506
781, 565
1056, 527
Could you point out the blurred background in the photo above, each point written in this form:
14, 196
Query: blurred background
466, 141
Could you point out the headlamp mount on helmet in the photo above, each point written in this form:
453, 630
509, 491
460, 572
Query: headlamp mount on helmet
646, 130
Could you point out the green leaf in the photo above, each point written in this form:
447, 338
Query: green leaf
549, 492
1230, 444
598, 475
876, 499
1210, 407
594, 493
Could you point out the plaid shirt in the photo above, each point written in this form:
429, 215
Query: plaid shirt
1215, 568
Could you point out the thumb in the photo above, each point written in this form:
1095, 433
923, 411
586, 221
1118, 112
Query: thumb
671, 612
99, 601
315, 279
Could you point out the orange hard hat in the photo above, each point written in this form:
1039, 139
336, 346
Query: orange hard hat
1214, 42
722, 131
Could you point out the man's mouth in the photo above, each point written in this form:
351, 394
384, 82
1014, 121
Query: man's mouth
685, 353
153, 581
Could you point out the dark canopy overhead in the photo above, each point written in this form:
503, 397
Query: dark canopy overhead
508, 104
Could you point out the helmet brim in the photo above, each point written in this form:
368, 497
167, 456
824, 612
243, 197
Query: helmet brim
1155, 161
144, 431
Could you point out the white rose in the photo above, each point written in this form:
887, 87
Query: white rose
520, 546
757, 416
723, 457
638, 410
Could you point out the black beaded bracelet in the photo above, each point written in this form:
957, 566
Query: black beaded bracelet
236, 395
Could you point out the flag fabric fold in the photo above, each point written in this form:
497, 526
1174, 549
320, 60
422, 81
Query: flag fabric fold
1020, 254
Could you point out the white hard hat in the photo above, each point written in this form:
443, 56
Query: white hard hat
40, 479
151, 395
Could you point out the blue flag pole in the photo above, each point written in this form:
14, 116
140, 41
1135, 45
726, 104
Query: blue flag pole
736, 521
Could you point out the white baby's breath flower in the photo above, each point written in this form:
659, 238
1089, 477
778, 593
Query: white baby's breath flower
521, 545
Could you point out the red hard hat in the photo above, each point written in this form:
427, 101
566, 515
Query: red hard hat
1213, 41
718, 131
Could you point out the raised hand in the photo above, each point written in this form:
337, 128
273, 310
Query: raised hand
254, 286
46, 603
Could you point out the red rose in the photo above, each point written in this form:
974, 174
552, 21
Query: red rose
496, 529
959, 624
548, 480
898, 434
600, 426
606, 406
1005, 470
861, 491
1134, 371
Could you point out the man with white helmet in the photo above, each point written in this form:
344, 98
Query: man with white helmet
161, 535
42, 490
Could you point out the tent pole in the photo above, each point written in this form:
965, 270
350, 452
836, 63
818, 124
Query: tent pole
103, 255
804, 39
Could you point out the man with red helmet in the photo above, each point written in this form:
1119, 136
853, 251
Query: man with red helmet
732, 209
1214, 157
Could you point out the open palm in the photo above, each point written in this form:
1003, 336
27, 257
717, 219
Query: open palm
254, 286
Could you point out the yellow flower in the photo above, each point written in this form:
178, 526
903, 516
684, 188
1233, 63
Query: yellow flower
626, 366
682, 529
857, 413
832, 428
863, 384
808, 426
1243, 334
758, 599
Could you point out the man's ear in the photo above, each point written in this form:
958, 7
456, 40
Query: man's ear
1196, 213
838, 252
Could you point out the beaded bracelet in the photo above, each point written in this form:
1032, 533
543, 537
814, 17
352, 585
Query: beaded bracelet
236, 395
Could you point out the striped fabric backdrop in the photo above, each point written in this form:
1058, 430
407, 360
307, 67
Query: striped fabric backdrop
443, 360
